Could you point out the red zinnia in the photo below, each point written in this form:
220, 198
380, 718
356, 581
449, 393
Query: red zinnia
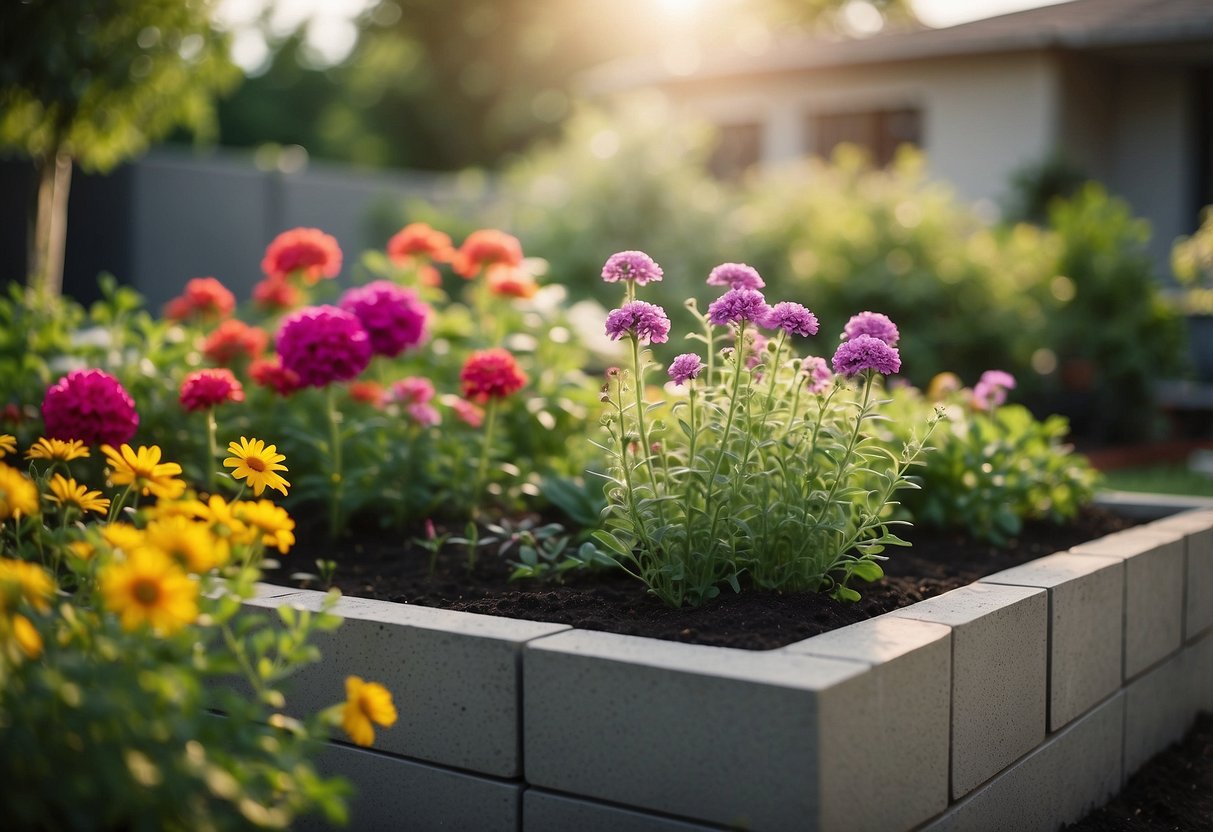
232, 339
486, 247
208, 388
275, 295
491, 374
307, 252
203, 297
367, 392
269, 372
419, 241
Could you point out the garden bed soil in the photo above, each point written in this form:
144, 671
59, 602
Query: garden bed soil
372, 564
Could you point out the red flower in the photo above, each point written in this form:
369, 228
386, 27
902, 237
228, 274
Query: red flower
486, 247
269, 372
205, 298
510, 282
491, 374
276, 295
208, 388
418, 241
307, 252
367, 392
234, 339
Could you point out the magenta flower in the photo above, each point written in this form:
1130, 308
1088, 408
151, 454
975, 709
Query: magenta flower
423, 414
818, 372
631, 265
874, 324
684, 368
393, 317
738, 305
91, 406
411, 390
866, 352
203, 389
646, 321
323, 344
736, 276
991, 389
792, 318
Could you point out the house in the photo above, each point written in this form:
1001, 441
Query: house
1120, 89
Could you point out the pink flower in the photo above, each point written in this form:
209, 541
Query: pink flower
792, 318
412, 390
874, 324
269, 372
394, 318
465, 411
203, 389
323, 344
684, 368
736, 276
423, 414
991, 389
866, 352
646, 321
631, 265
234, 339
91, 406
738, 305
276, 295
491, 374
418, 241
204, 298
818, 371
307, 253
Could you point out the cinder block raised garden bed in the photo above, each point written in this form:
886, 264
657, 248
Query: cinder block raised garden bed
1019, 702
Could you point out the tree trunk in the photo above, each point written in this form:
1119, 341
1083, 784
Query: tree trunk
49, 236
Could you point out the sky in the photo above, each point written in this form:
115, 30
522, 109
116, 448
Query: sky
330, 33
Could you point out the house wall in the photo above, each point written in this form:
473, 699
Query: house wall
983, 117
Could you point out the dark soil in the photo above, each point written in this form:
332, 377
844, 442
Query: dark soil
1174, 791
391, 568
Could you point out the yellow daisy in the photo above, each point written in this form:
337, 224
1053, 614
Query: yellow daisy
366, 703
149, 588
8, 444
57, 450
272, 521
252, 458
144, 470
27, 637
188, 542
82, 549
21, 579
122, 536
67, 492
18, 496
224, 520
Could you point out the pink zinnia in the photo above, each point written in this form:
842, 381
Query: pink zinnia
465, 411
203, 389
736, 276
631, 265
323, 344
269, 372
491, 374
866, 352
738, 305
646, 321
423, 414
412, 390
394, 318
684, 368
307, 253
991, 390
818, 373
792, 318
874, 324
91, 406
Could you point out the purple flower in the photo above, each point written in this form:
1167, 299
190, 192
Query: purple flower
323, 344
631, 265
792, 318
736, 276
685, 367
91, 406
394, 318
991, 390
865, 352
738, 305
818, 372
874, 324
646, 321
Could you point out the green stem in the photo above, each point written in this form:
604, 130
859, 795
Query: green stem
482, 470
645, 447
738, 367
334, 418
212, 449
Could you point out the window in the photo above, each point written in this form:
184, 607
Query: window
879, 132
738, 147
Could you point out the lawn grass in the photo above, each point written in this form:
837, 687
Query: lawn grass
1170, 478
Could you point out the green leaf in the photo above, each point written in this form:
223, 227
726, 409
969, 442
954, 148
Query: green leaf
866, 570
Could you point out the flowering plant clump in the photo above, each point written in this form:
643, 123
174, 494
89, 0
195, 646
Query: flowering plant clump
121, 634
772, 474
996, 465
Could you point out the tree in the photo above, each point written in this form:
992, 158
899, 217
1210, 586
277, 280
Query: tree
94, 82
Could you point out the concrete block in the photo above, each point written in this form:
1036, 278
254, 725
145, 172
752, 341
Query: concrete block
999, 668
1154, 591
394, 793
1198, 671
731, 737
906, 746
1197, 527
1158, 711
1086, 611
455, 677
1074, 771
547, 812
